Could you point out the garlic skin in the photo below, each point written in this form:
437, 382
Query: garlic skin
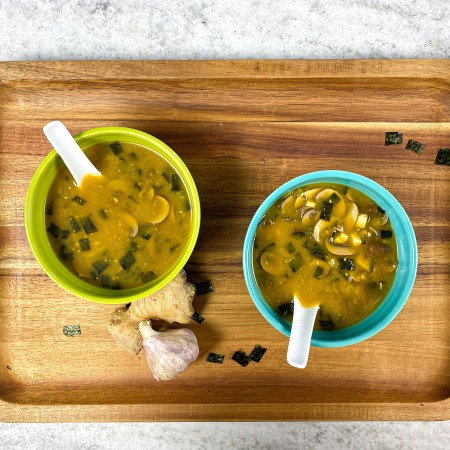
170, 352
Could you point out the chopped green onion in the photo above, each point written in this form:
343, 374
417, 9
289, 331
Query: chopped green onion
393, 138
88, 225
128, 260
290, 248
196, 317
415, 146
257, 353
241, 358
295, 262
54, 230
443, 157
215, 358
203, 287
71, 330
79, 200
84, 245
116, 148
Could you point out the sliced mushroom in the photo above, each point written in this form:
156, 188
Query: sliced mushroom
272, 263
351, 217
319, 230
287, 206
379, 220
310, 193
299, 202
159, 209
341, 250
131, 222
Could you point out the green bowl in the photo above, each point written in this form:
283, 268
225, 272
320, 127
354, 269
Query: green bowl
35, 217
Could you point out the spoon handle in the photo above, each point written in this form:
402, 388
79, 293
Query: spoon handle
301, 332
72, 155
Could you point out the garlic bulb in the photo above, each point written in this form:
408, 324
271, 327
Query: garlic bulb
170, 352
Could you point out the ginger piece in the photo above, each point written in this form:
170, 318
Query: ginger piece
125, 330
172, 303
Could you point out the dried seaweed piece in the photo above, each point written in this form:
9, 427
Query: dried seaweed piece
203, 287
49, 210
327, 324
97, 268
296, 262
65, 234
84, 245
346, 264
257, 353
196, 317
65, 253
386, 234
108, 282
393, 138
79, 200
286, 309
415, 146
74, 225
71, 330
88, 225
215, 358
241, 358
443, 157
318, 272
128, 260
54, 230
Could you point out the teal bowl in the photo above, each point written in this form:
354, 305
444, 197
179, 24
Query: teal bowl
35, 217
406, 249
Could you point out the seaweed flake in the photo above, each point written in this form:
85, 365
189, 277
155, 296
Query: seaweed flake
241, 358
79, 200
71, 330
257, 353
415, 146
443, 157
215, 358
203, 287
196, 317
393, 138
54, 230
286, 309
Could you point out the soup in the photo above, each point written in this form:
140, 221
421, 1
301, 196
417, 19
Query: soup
125, 228
328, 245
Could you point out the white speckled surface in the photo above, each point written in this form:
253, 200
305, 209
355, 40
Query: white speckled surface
177, 29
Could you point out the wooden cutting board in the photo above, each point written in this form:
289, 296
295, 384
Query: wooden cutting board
243, 128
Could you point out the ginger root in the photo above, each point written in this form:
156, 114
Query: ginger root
172, 303
125, 331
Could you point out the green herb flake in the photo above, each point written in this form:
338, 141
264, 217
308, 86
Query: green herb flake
65, 253
49, 210
75, 227
88, 225
71, 330
257, 353
196, 317
116, 148
215, 358
415, 146
97, 268
290, 247
443, 157
65, 234
176, 182
326, 324
54, 230
393, 138
241, 358
318, 272
203, 287
148, 276
296, 262
84, 245
286, 309
79, 200
128, 260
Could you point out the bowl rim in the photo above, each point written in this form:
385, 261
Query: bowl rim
98, 294
368, 327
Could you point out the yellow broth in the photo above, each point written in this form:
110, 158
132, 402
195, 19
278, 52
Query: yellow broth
327, 245
125, 228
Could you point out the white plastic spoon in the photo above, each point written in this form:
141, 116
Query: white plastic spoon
72, 155
301, 332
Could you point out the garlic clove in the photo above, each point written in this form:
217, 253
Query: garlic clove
168, 353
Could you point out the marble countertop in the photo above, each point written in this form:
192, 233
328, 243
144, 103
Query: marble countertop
234, 29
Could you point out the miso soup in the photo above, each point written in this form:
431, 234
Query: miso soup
125, 228
328, 245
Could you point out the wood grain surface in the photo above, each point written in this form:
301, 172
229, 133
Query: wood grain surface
243, 128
